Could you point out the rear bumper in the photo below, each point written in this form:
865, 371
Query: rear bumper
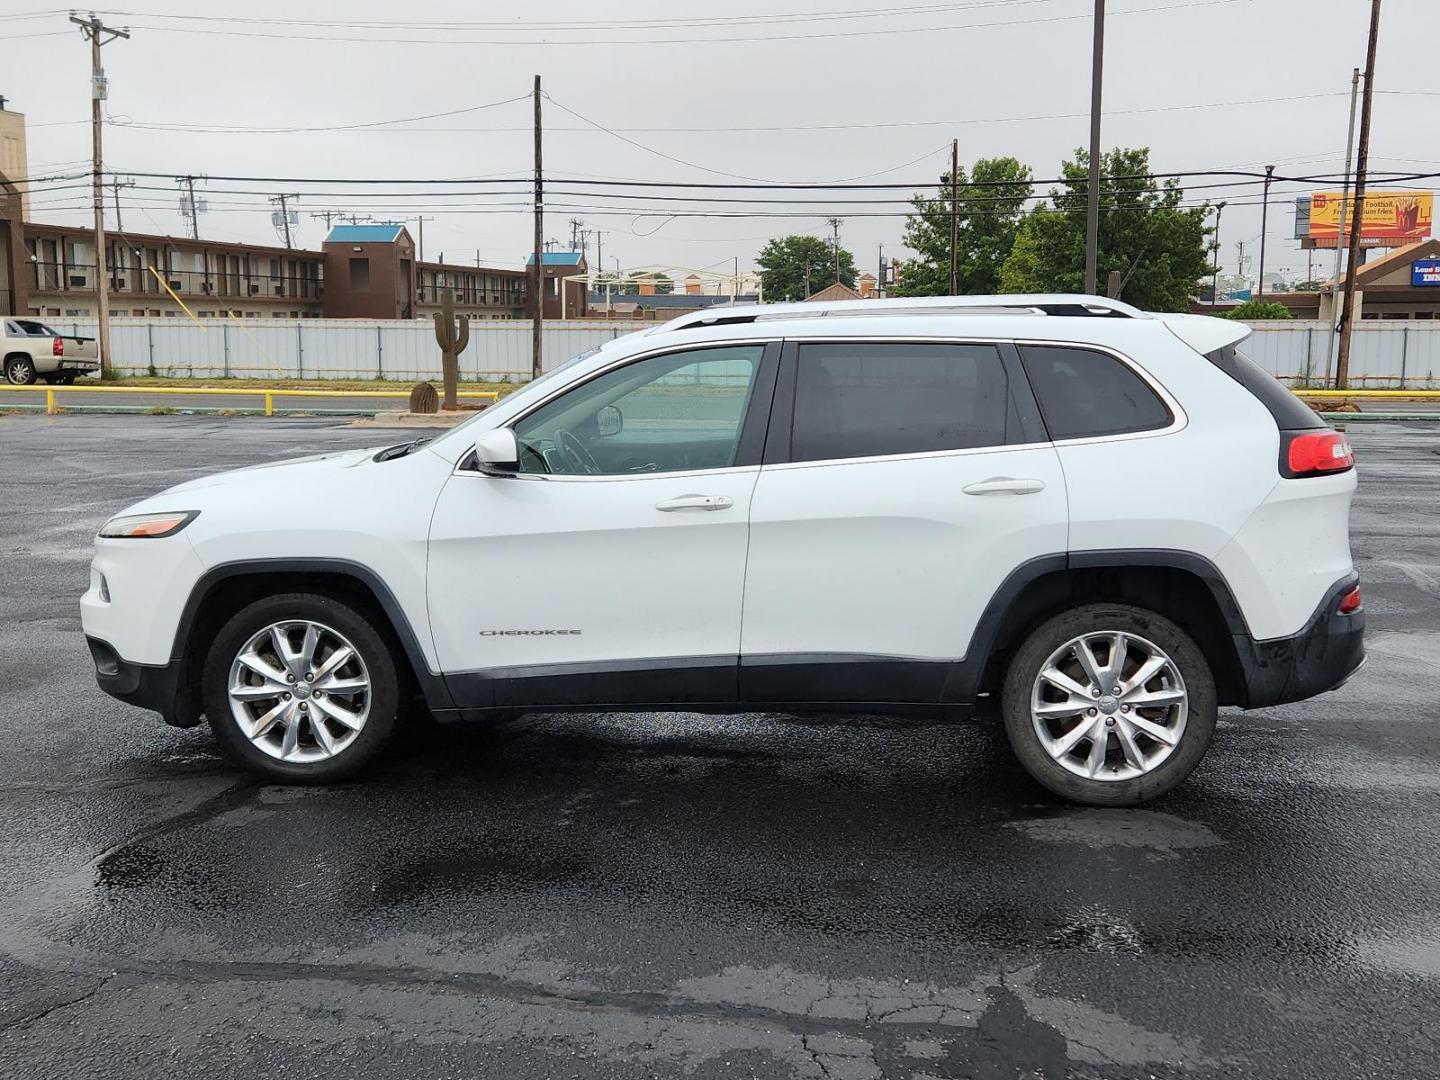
1321, 657
68, 366
156, 688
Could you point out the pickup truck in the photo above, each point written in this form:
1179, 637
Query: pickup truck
33, 351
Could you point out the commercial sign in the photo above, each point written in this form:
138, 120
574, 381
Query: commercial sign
1425, 272
1392, 219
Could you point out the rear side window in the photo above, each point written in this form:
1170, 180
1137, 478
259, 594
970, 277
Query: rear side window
1290, 413
1083, 393
871, 400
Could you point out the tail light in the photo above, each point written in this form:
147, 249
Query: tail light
1351, 601
1313, 453
58, 347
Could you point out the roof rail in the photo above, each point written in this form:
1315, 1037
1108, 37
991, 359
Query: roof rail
1054, 304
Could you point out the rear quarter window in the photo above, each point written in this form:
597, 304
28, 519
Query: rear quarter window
1083, 393
1290, 413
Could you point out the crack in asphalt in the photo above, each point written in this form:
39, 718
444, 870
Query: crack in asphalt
26, 1021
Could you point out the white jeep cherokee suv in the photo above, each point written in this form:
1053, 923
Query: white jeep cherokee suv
1110, 522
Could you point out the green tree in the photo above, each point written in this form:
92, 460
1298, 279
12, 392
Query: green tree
1160, 248
988, 215
1256, 310
631, 285
789, 263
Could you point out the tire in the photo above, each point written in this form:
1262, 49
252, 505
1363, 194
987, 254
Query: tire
337, 749
1177, 703
20, 370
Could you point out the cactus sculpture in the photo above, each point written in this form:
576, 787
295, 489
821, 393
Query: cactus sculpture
452, 344
423, 399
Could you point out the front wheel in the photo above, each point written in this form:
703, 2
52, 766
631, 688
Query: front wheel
20, 371
301, 688
1109, 705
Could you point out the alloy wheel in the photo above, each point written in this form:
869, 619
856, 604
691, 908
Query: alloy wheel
299, 691
1109, 705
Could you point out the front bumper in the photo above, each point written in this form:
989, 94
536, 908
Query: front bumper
156, 688
1321, 657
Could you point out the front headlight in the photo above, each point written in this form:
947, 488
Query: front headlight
147, 526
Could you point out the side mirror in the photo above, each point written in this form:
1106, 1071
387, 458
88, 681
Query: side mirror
497, 453
610, 421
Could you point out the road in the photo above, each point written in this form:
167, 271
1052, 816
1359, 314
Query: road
641, 895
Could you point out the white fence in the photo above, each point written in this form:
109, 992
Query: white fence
335, 348
1384, 353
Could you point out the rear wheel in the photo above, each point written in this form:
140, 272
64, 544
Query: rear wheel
19, 370
1109, 705
301, 688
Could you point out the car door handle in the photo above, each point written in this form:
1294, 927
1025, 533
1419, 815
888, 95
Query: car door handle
1004, 485
696, 502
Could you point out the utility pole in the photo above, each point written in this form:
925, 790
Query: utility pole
282, 202
1336, 304
1092, 215
115, 186
1240, 259
1264, 225
420, 241
98, 34
539, 247
954, 215
834, 224
327, 216
1362, 163
1215, 281
189, 182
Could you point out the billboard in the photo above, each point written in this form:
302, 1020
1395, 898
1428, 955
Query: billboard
1392, 219
1425, 272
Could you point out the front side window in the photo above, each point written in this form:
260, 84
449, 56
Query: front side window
868, 400
1084, 393
670, 413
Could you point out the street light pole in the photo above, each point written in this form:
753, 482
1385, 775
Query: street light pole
1264, 226
1336, 303
1092, 216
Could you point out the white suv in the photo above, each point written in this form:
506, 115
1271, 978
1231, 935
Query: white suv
1109, 522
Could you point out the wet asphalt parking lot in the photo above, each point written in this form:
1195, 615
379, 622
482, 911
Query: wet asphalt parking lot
688, 896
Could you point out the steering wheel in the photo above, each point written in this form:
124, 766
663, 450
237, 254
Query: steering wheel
580, 459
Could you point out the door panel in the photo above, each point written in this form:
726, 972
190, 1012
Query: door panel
611, 569
867, 576
885, 561
552, 585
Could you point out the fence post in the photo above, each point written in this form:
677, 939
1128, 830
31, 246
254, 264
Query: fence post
225, 337
1309, 355
1404, 354
379, 353
300, 350
150, 337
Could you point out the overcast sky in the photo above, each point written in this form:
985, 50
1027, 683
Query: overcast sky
782, 91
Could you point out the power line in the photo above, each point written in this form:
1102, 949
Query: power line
772, 38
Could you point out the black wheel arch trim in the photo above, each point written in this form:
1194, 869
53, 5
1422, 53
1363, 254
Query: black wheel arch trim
967, 674
432, 684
